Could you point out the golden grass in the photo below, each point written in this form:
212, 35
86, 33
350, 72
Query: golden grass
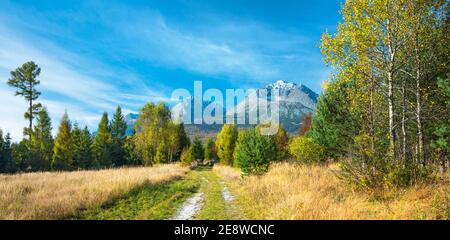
54, 195
291, 191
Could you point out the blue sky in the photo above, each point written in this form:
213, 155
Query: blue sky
96, 55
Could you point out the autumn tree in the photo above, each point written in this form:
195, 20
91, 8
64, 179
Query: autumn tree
63, 148
306, 151
161, 154
387, 56
187, 156
225, 143
281, 140
155, 127
306, 125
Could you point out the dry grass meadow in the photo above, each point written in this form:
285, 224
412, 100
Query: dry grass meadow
55, 195
291, 191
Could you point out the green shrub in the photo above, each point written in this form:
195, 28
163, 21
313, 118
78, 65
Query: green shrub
371, 169
381, 174
306, 151
254, 152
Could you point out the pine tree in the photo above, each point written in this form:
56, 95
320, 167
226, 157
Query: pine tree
24, 79
21, 155
198, 149
131, 155
6, 160
3, 158
42, 142
210, 150
118, 124
118, 131
102, 143
82, 148
334, 125
225, 143
442, 130
183, 139
254, 152
63, 148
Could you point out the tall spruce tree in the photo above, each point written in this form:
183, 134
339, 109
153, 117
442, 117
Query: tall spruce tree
63, 148
334, 125
131, 155
102, 143
118, 131
21, 155
6, 160
254, 152
82, 148
210, 150
24, 79
183, 139
199, 151
42, 142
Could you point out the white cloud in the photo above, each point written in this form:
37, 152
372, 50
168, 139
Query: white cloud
243, 51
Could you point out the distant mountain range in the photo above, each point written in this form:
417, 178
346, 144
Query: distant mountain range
296, 102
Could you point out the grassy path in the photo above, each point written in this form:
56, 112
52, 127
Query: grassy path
165, 201
218, 202
155, 202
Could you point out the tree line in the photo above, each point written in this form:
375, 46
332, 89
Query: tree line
155, 139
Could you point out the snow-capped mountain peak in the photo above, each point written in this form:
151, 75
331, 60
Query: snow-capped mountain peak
282, 85
296, 102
